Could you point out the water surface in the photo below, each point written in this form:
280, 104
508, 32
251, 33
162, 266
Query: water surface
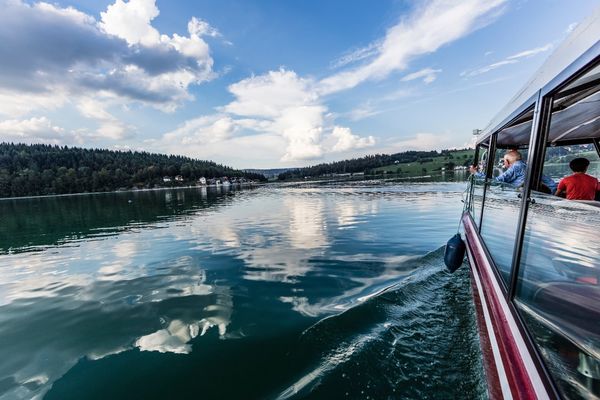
329, 291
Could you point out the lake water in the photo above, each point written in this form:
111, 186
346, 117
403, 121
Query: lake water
321, 292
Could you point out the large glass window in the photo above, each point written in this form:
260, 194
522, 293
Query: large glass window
478, 185
558, 286
559, 289
501, 208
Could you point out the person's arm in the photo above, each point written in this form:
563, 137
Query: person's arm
546, 180
477, 174
507, 176
561, 188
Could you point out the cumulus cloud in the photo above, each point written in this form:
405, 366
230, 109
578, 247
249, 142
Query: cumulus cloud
46, 48
512, 59
280, 106
37, 129
438, 23
345, 140
203, 130
287, 105
428, 74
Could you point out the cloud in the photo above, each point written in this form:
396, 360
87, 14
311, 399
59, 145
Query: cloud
571, 27
356, 55
513, 59
363, 111
423, 141
428, 74
46, 48
109, 126
279, 106
203, 130
37, 129
286, 104
530, 53
438, 23
347, 141
131, 21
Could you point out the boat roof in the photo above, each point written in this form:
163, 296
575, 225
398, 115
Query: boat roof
575, 114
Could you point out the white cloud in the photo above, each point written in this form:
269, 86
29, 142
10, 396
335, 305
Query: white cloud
48, 49
15, 103
269, 94
437, 24
424, 141
363, 111
571, 27
199, 27
356, 55
347, 141
531, 52
488, 68
278, 105
131, 21
203, 130
37, 129
513, 59
287, 105
109, 126
428, 74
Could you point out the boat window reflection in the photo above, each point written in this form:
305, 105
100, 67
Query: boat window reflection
500, 218
476, 201
559, 290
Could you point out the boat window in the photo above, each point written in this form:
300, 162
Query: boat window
558, 286
558, 290
557, 160
478, 185
501, 208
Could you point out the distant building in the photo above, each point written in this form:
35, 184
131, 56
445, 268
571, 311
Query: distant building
202, 181
179, 178
166, 179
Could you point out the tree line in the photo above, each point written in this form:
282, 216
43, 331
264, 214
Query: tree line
41, 169
363, 164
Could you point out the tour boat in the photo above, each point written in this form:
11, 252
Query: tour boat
534, 257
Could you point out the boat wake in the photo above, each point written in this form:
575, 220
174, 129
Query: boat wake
416, 339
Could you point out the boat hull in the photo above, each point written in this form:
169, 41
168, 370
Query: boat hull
510, 367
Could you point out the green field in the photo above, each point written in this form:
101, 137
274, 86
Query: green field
432, 165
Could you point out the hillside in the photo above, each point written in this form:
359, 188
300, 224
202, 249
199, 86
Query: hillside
32, 170
409, 163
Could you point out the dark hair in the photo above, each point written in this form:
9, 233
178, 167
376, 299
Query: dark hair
579, 164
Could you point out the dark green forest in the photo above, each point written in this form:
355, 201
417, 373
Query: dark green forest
365, 164
39, 169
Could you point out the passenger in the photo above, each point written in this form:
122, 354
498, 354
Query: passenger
515, 172
579, 186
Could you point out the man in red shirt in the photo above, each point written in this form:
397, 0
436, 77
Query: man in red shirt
579, 186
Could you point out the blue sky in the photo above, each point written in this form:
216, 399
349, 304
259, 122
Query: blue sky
259, 84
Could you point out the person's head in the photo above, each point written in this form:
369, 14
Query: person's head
579, 164
511, 157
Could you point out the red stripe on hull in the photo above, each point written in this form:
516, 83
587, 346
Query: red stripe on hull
491, 373
517, 374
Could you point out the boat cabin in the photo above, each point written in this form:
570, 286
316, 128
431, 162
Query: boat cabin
535, 256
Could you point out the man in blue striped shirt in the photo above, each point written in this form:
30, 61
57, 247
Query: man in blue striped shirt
516, 170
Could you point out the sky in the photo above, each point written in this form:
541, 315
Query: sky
269, 84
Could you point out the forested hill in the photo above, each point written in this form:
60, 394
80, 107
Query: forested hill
367, 164
31, 170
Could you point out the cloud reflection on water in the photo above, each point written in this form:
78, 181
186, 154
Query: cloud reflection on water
162, 289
